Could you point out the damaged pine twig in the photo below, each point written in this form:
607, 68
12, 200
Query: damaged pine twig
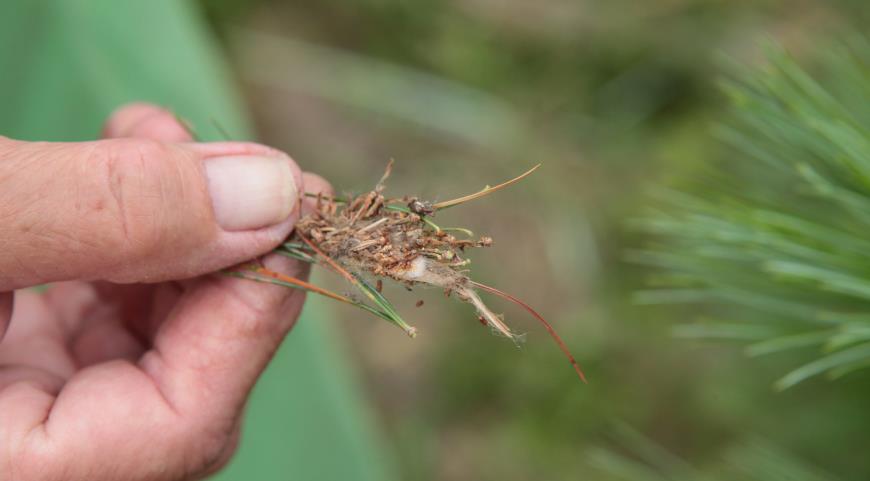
371, 236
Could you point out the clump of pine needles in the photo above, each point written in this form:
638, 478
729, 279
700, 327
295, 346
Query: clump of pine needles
374, 237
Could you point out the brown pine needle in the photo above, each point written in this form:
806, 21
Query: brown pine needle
379, 187
555, 336
486, 191
321, 195
334, 265
263, 271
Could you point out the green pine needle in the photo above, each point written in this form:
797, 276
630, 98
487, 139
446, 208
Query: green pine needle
778, 236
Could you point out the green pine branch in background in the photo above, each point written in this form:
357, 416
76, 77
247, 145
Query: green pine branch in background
777, 239
638, 458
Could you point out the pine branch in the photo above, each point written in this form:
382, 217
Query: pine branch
781, 240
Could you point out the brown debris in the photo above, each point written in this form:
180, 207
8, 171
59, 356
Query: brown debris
391, 238
363, 235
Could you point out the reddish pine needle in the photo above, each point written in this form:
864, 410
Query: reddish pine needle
555, 336
298, 282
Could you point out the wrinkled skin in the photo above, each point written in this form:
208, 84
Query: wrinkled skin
132, 381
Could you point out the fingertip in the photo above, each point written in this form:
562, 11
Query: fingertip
315, 184
144, 120
252, 186
208, 150
126, 116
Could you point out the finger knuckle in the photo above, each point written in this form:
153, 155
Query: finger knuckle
146, 183
208, 447
125, 174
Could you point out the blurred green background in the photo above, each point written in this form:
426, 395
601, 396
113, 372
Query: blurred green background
612, 97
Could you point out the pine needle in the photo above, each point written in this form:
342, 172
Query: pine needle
553, 334
300, 283
272, 277
779, 233
486, 191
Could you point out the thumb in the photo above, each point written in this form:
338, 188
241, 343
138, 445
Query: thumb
138, 210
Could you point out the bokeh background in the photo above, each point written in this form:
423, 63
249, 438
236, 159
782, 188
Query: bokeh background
613, 97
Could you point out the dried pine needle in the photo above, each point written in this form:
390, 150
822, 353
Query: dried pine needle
486, 191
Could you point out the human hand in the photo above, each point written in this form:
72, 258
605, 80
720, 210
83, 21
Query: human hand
104, 376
